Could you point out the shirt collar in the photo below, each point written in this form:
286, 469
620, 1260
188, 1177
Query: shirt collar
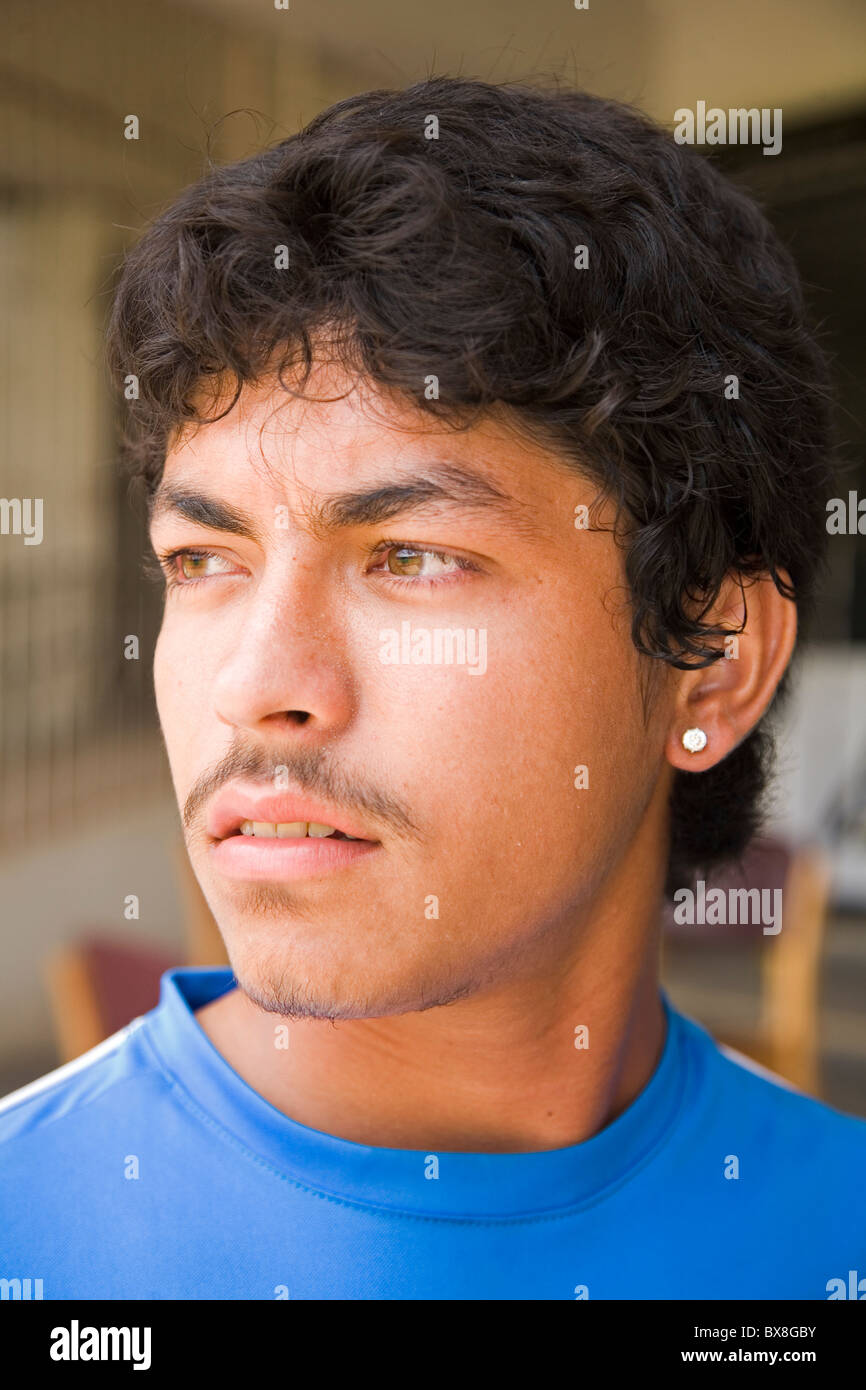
469, 1186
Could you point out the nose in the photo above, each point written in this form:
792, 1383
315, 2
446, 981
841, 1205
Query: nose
286, 663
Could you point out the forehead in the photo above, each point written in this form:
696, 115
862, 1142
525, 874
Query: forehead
347, 430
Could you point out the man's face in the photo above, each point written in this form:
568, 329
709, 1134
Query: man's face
301, 661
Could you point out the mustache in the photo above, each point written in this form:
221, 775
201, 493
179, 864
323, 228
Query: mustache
306, 769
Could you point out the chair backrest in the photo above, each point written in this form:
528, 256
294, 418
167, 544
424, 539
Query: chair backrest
100, 983
790, 957
760, 872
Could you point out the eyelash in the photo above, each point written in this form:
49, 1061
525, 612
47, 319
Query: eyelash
166, 567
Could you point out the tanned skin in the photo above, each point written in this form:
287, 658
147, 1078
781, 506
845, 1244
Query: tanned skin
406, 1029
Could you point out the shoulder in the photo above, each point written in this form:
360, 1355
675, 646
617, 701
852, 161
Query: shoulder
748, 1099
68, 1089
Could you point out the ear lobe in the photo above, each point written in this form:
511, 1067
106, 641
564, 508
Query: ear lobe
727, 699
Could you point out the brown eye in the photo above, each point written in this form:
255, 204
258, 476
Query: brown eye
400, 565
193, 564
185, 568
403, 560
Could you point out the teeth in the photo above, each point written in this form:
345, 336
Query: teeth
288, 830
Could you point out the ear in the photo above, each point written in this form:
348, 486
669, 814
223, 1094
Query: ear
726, 700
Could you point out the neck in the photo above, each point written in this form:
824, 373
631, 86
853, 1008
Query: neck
541, 1061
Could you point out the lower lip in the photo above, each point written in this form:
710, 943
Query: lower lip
262, 857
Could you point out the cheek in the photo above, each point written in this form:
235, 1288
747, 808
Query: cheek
168, 677
521, 781
181, 683
502, 749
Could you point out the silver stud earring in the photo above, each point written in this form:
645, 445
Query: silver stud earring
694, 740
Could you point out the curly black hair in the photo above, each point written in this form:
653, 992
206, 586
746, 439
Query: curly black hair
435, 231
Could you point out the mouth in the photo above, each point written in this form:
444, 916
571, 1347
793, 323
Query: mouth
285, 849
236, 811
293, 830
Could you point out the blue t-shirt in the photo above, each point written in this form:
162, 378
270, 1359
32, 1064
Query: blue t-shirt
149, 1169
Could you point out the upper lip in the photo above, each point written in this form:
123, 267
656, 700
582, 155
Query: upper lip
231, 807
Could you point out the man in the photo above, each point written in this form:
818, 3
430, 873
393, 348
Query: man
475, 421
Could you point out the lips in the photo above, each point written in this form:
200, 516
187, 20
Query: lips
232, 807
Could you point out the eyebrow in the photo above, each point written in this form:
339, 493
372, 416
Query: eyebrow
446, 484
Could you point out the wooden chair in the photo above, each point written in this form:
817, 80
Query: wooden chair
101, 981
98, 984
786, 1038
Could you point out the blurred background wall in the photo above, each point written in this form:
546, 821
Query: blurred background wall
89, 833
